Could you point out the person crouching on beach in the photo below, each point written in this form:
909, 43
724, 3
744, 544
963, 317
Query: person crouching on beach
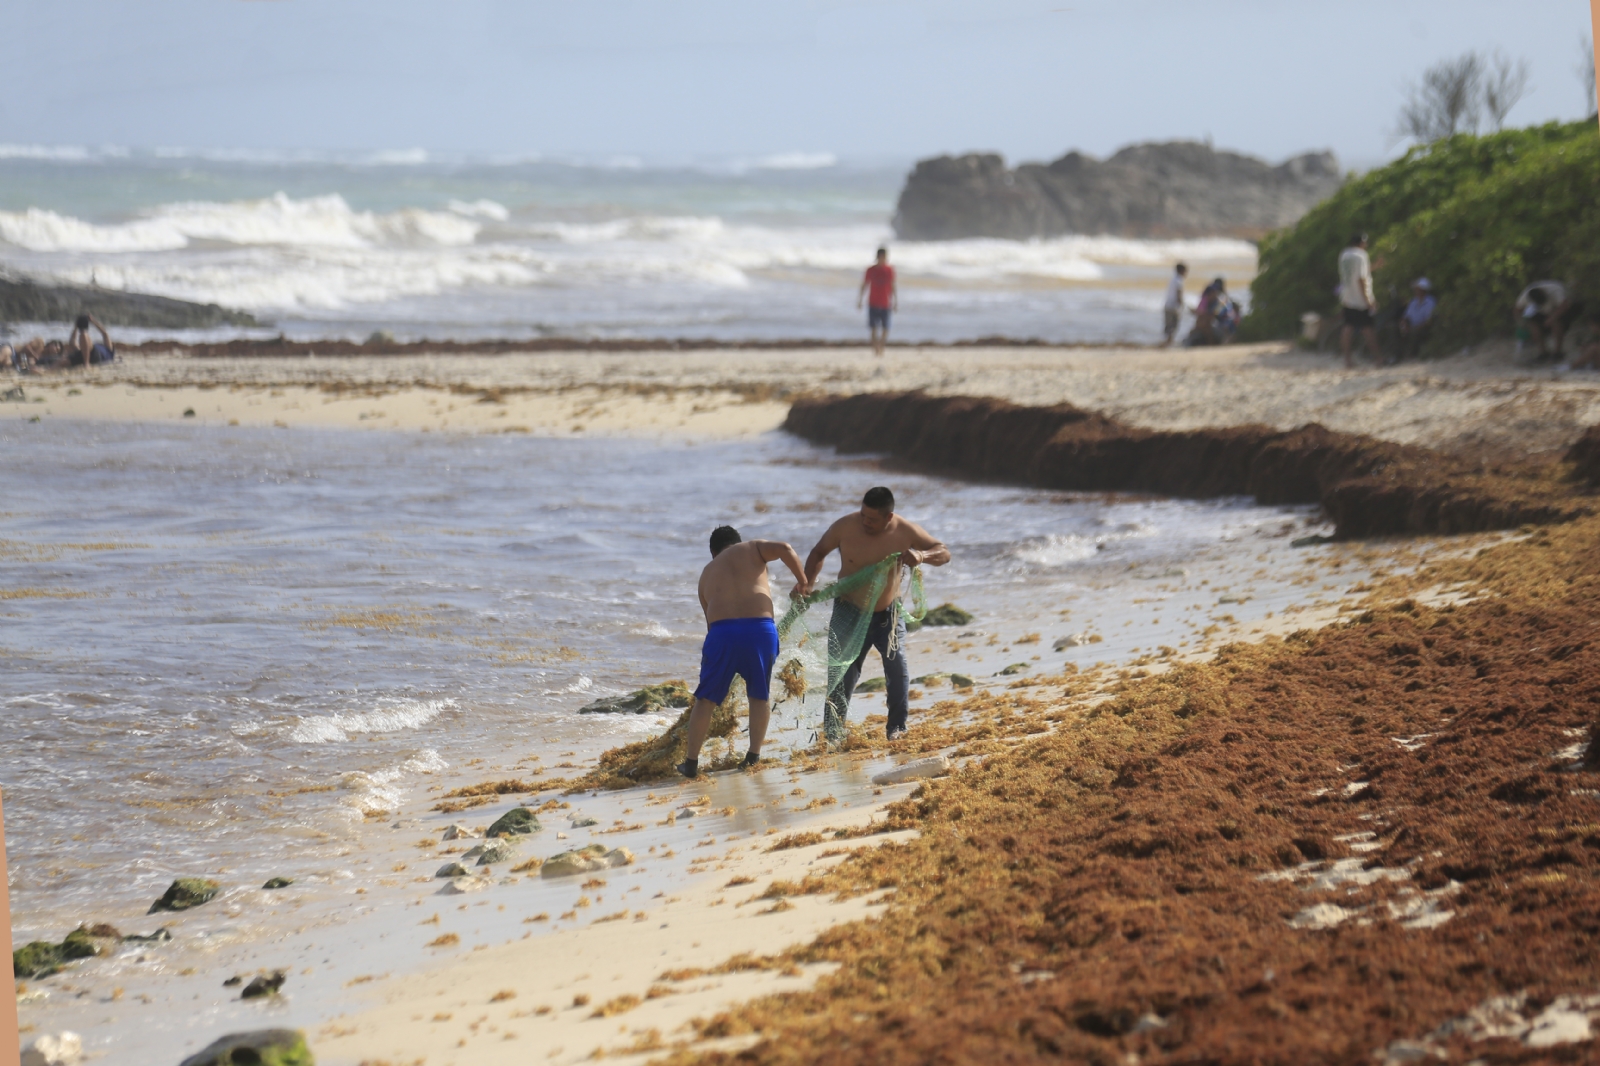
741, 637
882, 295
865, 539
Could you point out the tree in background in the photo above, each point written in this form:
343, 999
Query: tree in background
1458, 95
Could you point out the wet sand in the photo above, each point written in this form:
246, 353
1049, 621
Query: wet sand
1479, 403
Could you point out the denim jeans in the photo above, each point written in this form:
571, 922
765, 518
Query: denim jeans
895, 673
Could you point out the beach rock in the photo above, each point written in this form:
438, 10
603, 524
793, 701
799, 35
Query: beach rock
519, 820
186, 892
37, 959
648, 700
497, 853
1014, 668
453, 869
960, 681
79, 944
931, 680
264, 985
1311, 541
460, 886
1175, 189
159, 936
947, 614
25, 300
581, 821
278, 882
263, 1047
457, 832
54, 1049
937, 766
873, 684
585, 860
1076, 640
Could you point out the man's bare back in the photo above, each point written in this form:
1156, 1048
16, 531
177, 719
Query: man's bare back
870, 536
734, 583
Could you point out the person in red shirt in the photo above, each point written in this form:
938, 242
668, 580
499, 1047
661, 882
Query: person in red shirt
882, 296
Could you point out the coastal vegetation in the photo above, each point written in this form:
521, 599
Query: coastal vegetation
1480, 216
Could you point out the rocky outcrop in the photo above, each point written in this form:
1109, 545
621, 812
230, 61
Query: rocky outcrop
25, 300
263, 1047
186, 892
1368, 487
1177, 189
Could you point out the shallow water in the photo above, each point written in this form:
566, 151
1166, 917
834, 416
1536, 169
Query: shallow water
225, 647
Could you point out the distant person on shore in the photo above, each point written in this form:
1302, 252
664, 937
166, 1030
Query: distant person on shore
865, 539
882, 295
1172, 307
741, 637
81, 351
1416, 321
1545, 310
1356, 299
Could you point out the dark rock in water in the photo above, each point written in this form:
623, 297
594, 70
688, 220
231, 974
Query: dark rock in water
38, 959
24, 300
264, 1047
106, 930
79, 945
947, 614
873, 684
233, 982
648, 700
1176, 189
515, 821
264, 985
960, 681
186, 892
279, 882
159, 936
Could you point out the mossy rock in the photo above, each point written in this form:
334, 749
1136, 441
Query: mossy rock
931, 680
278, 882
263, 1047
1014, 668
38, 959
79, 944
517, 821
873, 684
186, 892
946, 614
497, 853
960, 681
648, 700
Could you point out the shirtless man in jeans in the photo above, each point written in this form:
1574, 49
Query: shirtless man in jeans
864, 539
741, 637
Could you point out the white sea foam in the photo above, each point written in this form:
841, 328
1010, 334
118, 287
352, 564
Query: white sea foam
382, 790
389, 716
481, 209
798, 161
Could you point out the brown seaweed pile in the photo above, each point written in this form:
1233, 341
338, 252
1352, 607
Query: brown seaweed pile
1367, 486
1316, 850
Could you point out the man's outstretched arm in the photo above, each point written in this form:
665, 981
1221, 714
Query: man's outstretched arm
819, 554
778, 551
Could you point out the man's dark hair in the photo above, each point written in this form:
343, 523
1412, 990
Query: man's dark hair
723, 537
1538, 297
1183, 268
883, 251
1357, 238
83, 322
879, 499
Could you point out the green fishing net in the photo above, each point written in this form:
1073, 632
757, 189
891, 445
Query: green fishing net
821, 635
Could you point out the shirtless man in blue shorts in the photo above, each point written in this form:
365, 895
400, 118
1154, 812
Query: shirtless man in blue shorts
741, 637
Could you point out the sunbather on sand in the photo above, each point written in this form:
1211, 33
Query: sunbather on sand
81, 351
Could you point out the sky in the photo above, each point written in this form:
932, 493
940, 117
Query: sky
868, 80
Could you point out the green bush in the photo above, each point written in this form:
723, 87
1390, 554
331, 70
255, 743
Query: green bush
1480, 216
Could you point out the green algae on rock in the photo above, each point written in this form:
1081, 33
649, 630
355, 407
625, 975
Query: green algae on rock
946, 614
1014, 668
278, 882
872, 684
38, 959
263, 1047
648, 700
585, 860
186, 892
519, 820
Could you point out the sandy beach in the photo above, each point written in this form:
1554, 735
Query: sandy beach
1482, 403
730, 900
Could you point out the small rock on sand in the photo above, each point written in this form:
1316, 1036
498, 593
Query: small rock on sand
280, 1047
585, 860
514, 822
947, 614
54, 1049
1076, 640
460, 886
497, 853
263, 985
186, 892
454, 869
457, 832
937, 766
278, 882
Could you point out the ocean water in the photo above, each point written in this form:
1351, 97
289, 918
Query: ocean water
735, 249
227, 648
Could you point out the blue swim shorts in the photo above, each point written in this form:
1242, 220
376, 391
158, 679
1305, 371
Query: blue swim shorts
878, 318
744, 646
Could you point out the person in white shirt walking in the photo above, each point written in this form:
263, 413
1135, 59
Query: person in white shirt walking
1355, 294
1172, 309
